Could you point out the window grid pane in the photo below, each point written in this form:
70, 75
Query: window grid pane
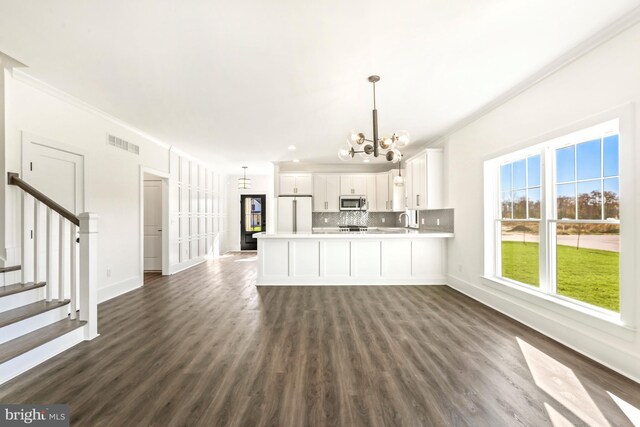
520, 189
592, 161
519, 248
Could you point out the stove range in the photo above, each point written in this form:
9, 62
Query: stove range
352, 228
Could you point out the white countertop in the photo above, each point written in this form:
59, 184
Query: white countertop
371, 233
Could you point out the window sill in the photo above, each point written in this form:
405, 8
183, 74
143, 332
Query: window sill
610, 324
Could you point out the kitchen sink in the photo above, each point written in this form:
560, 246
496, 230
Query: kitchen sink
392, 230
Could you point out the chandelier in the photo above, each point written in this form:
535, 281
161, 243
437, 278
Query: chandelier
389, 146
244, 183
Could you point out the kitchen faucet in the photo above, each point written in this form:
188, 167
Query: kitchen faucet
400, 218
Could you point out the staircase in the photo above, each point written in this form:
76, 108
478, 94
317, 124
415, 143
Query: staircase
53, 306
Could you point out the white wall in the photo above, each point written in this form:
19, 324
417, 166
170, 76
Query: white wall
197, 214
605, 78
260, 184
112, 176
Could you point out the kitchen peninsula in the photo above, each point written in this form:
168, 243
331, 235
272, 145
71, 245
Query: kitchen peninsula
377, 256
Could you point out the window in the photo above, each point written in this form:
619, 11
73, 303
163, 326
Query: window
519, 224
587, 227
557, 217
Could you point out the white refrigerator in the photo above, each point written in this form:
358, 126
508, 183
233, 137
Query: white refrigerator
294, 214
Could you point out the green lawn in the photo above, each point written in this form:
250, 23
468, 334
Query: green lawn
588, 275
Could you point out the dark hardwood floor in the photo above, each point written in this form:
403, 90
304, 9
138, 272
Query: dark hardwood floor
206, 347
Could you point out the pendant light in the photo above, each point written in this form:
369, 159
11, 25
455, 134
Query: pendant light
398, 181
387, 146
244, 183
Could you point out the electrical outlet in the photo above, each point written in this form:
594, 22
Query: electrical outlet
383, 220
422, 222
437, 221
326, 220
460, 268
108, 272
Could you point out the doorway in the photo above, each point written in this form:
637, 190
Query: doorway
253, 219
154, 212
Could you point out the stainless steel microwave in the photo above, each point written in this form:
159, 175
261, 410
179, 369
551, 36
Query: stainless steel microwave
353, 203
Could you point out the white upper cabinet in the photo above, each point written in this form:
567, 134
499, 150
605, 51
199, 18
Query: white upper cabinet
353, 185
304, 184
296, 184
371, 193
382, 193
424, 180
326, 193
287, 184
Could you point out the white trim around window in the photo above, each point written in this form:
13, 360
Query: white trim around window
622, 324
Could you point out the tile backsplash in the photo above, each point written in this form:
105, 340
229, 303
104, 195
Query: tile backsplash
436, 220
385, 219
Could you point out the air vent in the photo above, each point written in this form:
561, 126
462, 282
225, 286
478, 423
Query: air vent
122, 144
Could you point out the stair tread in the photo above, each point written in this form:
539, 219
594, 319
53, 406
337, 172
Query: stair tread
10, 268
19, 287
35, 339
29, 310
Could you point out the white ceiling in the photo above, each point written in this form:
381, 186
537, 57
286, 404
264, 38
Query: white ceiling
245, 79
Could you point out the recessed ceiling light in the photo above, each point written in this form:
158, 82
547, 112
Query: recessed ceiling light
291, 147
296, 160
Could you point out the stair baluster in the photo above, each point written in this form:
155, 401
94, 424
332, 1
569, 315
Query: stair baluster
36, 241
23, 246
49, 256
62, 259
73, 271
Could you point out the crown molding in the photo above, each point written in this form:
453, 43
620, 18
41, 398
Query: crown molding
9, 63
35, 83
612, 30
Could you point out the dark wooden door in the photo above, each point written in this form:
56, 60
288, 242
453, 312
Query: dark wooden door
252, 219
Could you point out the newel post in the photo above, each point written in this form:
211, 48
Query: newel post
89, 273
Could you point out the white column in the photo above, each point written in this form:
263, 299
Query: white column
89, 273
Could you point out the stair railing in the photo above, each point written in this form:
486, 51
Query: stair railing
81, 263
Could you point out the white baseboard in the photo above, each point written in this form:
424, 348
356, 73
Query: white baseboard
116, 289
619, 360
177, 268
375, 281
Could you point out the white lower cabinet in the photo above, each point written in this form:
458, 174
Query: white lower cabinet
303, 258
274, 262
396, 258
428, 258
335, 259
364, 260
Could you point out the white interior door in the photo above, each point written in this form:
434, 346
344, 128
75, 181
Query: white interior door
58, 173
152, 225
55, 172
